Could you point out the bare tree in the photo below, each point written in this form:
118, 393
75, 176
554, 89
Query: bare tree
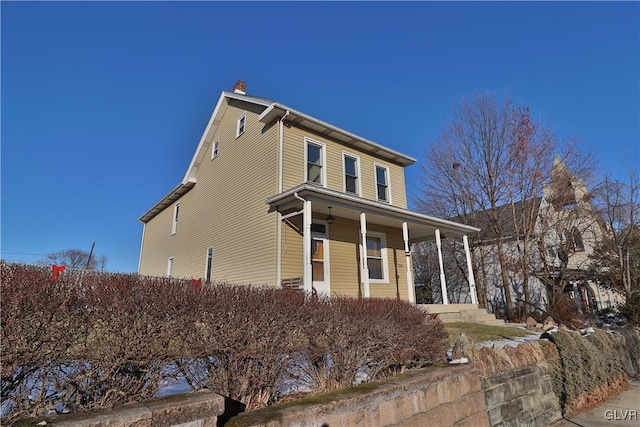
486, 169
616, 259
75, 258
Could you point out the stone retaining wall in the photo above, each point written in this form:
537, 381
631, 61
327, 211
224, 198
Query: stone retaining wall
521, 397
442, 396
200, 409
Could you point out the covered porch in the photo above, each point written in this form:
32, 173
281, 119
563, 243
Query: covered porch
328, 241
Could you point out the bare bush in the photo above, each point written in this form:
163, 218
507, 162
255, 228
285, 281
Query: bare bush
78, 345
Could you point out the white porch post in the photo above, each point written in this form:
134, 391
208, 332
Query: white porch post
443, 282
407, 254
306, 250
363, 255
472, 280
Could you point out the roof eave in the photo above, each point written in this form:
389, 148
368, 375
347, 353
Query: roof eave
370, 204
277, 110
175, 194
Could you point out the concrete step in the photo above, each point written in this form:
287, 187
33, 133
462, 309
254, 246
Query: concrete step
474, 311
478, 318
449, 317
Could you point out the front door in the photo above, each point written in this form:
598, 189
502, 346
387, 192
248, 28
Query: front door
320, 258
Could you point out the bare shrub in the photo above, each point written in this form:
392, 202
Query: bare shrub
41, 321
248, 335
96, 340
376, 337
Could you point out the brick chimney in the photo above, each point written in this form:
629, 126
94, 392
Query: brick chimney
240, 87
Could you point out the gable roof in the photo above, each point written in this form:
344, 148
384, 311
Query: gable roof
272, 111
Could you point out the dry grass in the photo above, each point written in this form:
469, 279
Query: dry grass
480, 333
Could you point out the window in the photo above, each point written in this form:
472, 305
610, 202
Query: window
315, 159
317, 260
242, 123
215, 149
576, 239
174, 224
208, 265
382, 183
377, 257
351, 172
170, 267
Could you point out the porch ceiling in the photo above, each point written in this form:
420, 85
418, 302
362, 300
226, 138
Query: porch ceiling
421, 227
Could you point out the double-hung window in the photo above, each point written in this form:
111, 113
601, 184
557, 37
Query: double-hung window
315, 160
242, 124
377, 257
174, 223
382, 183
351, 173
215, 149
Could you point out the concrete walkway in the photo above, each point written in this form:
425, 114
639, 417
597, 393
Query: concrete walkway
621, 410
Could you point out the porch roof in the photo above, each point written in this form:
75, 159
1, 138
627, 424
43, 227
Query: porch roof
421, 227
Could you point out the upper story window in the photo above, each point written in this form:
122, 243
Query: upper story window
242, 124
315, 161
351, 174
377, 257
382, 184
174, 223
215, 149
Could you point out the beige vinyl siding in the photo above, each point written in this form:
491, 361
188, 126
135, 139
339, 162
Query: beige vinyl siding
225, 210
344, 237
294, 166
292, 261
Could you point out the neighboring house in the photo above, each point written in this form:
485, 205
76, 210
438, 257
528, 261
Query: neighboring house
565, 231
276, 197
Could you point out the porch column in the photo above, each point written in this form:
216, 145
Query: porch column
472, 280
307, 282
407, 255
443, 281
363, 255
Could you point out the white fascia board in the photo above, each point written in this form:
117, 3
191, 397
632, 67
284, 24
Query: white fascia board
199, 154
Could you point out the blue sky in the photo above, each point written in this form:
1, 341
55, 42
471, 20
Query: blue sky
103, 104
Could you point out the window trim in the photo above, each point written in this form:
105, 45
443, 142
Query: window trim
215, 148
170, 262
323, 155
383, 254
208, 264
387, 176
174, 222
346, 154
242, 119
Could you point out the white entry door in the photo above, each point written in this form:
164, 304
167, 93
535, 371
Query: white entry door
320, 258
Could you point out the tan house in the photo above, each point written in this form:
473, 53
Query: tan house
276, 197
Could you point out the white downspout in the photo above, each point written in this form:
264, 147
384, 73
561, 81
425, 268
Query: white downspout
443, 281
306, 242
280, 185
281, 151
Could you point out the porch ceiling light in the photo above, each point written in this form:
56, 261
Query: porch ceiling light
330, 217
